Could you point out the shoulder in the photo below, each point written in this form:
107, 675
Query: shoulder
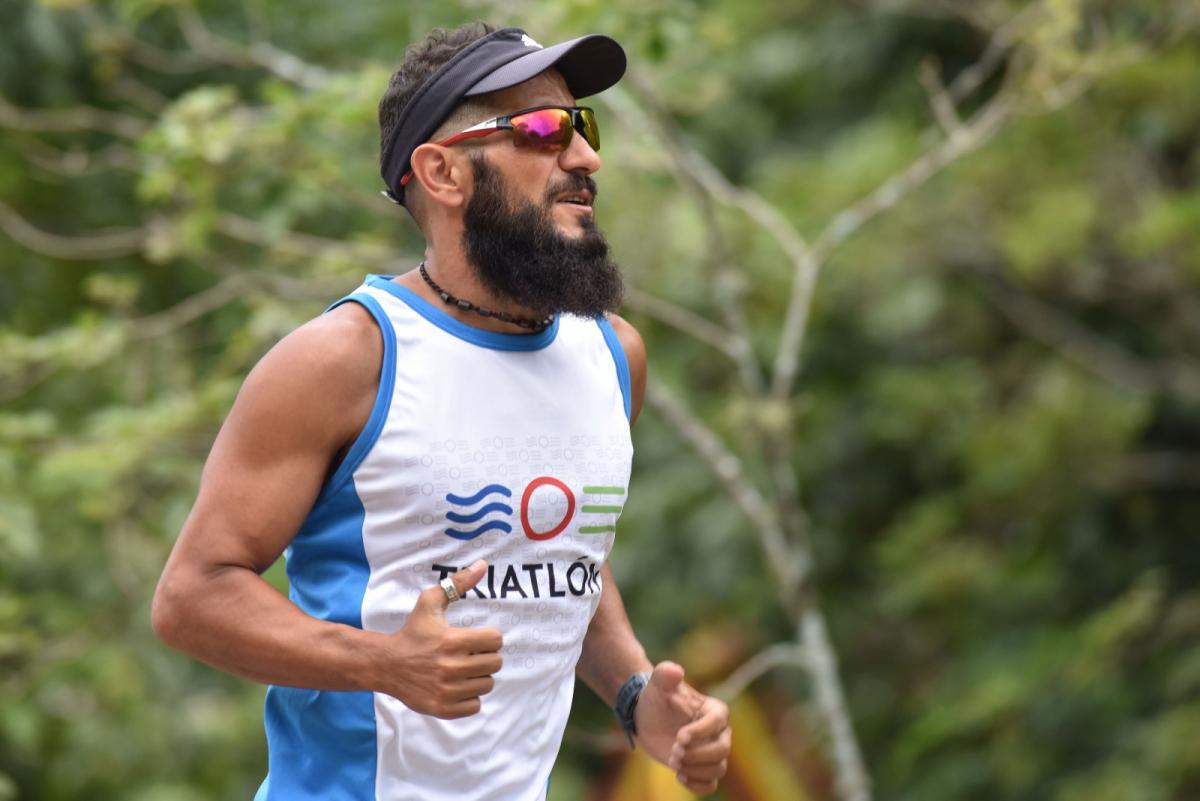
325, 373
343, 344
635, 355
629, 338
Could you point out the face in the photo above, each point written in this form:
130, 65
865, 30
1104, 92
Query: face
521, 252
531, 175
528, 227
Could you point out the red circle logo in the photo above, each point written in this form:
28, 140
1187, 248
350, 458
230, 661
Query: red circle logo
554, 532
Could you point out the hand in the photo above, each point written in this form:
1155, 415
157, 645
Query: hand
683, 729
438, 670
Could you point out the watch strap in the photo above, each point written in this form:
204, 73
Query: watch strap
627, 699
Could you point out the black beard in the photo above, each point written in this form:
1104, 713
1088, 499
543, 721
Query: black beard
521, 256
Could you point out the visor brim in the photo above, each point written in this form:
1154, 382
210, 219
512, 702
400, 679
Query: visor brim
589, 64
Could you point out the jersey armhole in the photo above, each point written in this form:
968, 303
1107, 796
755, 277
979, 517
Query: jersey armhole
383, 398
622, 363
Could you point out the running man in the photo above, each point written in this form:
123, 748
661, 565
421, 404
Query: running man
442, 458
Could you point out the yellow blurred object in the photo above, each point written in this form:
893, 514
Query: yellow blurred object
711, 652
757, 765
758, 768
643, 779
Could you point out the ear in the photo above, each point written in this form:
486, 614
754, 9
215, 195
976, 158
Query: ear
441, 173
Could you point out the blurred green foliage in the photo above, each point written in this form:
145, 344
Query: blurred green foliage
996, 425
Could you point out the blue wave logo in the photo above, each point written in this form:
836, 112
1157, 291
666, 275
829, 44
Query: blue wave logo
467, 516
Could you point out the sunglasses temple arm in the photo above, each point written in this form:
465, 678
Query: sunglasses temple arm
470, 133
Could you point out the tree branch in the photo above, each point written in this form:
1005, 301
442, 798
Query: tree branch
94, 246
1079, 345
161, 60
969, 11
258, 54
72, 119
778, 450
704, 175
703, 179
1160, 469
33, 375
982, 127
964, 139
298, 243
140, 94
688, 169
973, 135
108, 37
697, 173
683, 320
189, 309
939, 98
790, 566
853, 782
110, 244
77, 162
766, 660
1002, 40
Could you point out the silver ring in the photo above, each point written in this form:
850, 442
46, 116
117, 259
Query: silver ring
447, 585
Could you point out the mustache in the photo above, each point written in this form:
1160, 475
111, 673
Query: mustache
573, 183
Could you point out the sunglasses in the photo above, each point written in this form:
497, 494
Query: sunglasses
544, 128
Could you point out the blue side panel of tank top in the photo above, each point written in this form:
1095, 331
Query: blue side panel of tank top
322, 744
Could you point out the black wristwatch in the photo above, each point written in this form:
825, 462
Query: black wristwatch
627, 700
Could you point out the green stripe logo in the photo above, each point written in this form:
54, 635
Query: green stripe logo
602, 505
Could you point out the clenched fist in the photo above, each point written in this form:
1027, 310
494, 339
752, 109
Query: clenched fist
436, 669
684, 729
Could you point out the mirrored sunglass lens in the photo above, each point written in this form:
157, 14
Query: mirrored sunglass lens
591, 131
547, 128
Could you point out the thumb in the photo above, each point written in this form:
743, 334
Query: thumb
666, 677
434, 600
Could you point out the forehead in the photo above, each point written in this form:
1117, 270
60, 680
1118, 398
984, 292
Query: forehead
545, 88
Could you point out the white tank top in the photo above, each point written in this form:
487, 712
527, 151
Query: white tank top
507, 447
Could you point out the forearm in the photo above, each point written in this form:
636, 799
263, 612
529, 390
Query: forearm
235, 621
611, 651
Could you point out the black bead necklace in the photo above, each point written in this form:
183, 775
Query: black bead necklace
536, 326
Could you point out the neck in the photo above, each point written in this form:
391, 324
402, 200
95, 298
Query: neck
530, 324
451, 271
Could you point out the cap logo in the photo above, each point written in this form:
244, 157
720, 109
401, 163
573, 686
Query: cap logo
528, 41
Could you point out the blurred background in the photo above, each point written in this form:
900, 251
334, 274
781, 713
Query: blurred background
917, 486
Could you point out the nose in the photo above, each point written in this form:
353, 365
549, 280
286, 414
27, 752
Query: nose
579, 157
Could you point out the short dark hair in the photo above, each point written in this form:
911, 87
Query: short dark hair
421, 60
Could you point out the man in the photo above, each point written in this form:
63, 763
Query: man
443, 457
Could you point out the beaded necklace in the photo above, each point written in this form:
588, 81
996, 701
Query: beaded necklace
536, 326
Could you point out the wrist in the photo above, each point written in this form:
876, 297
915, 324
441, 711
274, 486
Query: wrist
616, 672
368, 658
625, 708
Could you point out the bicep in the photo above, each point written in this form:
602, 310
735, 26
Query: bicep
260, 481
296, 410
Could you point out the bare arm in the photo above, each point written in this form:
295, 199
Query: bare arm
301, 406
611, 651
676, 725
